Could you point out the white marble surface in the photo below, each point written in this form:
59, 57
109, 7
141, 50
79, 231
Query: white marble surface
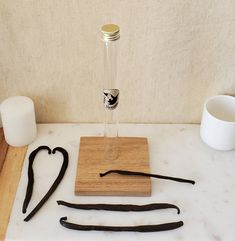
177, 150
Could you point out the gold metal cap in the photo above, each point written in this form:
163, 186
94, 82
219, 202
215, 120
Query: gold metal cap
110, 32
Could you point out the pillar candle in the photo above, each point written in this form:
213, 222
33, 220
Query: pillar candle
18, 120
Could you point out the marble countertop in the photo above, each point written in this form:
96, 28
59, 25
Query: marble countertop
175, 150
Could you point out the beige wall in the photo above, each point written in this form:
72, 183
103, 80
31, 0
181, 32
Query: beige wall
173, 54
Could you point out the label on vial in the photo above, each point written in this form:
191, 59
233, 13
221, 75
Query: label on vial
110, 98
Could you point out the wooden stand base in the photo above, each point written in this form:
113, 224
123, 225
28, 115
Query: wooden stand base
133, 156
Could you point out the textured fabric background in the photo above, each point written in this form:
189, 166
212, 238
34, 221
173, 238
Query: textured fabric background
173, 54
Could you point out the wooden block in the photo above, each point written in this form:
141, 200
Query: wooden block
1, 133
9, 178
3, 149
133, 156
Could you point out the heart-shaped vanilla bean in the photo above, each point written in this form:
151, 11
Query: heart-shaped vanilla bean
55, 184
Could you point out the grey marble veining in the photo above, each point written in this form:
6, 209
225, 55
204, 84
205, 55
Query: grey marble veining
176, 150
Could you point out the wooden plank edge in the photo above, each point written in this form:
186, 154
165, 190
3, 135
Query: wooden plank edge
9, 179
3, 152
117, 194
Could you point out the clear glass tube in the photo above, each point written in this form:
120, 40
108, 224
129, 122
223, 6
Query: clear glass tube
111, 98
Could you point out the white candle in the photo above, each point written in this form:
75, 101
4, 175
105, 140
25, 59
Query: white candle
18, 120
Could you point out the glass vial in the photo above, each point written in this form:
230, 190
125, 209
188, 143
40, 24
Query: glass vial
110, 35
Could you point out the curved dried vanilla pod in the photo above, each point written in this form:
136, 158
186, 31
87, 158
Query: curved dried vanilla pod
120, 207
55, 184
140, 228
29, 190
132, 173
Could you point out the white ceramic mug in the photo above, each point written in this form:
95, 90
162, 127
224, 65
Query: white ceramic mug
218, 122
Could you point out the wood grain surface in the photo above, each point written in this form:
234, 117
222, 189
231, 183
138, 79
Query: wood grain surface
133, 155
3, 148
9, 178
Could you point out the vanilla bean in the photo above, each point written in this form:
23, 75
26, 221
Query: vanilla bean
29, 190
132, 173
54, 185
140, 228
120, 207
